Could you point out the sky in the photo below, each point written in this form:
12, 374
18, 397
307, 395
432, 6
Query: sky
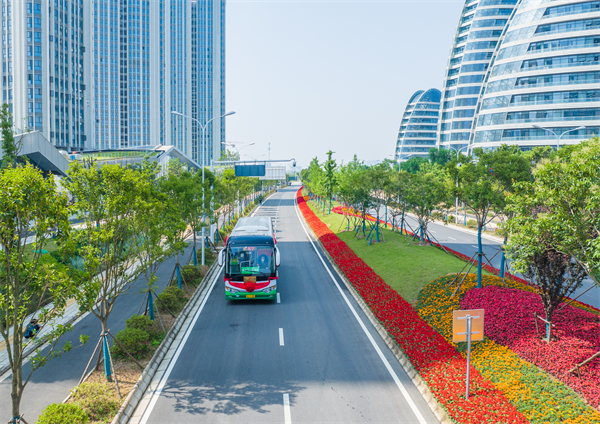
311, 76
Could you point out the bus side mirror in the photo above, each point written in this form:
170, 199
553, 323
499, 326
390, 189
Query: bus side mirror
277, 257
221, 254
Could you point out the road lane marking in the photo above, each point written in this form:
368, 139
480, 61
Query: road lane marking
281, 337
386, 363
476, 247
173, 361
278, 298
431, 231
451, 238
287, 413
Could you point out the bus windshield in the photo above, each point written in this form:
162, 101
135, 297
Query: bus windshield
250, 260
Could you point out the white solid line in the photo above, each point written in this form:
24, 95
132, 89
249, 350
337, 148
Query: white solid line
173, 361
451, 238
476, 247
278, 298
387, 365
287, 413
431, 231
281, 337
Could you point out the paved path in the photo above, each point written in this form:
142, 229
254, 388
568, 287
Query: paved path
306, 359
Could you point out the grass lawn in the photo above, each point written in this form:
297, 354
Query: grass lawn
406, 268
49, 245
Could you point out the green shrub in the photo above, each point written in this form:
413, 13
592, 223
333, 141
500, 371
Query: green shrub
140, 322
97, 400
62, 413
471, 223
192, 274
452, 219
173, 298
134, 340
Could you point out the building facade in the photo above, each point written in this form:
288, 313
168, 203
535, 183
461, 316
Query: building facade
418, 128
546, 72
43, 68
480, 26
151, 58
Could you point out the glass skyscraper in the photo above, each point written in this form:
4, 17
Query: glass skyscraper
546, 72
43, 68
153, 57
480, 26
418, 128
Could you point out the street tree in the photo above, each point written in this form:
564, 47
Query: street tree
482, 185
10, 147
31, 209
329, 182
567, 189
423, 194
108, 201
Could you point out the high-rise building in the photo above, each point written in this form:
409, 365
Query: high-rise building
545, 72
480, 26
151, 58
43, 68
418, 128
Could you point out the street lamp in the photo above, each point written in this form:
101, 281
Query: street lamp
556, 135
203, 128
238, 150
457, 152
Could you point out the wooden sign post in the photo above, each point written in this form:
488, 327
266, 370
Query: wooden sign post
467, 326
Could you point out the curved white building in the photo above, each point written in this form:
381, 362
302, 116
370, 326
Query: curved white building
545, 72
418, 129
480, 26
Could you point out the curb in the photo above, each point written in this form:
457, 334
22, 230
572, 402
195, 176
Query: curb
437, 409
136, 394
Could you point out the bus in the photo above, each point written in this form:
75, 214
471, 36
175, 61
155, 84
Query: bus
251, 258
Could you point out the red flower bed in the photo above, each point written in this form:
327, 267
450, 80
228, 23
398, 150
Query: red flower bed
509, 322
438, 362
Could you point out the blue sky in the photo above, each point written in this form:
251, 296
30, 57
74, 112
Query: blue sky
310, 76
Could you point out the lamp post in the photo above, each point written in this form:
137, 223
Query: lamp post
457, 152
556, 135
238, 150
203, 128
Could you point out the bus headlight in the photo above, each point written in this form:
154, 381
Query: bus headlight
270, 289
231, 290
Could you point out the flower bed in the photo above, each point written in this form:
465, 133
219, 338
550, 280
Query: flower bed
535, 393
441, 366
509, 322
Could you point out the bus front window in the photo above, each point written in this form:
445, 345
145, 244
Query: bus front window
251, 260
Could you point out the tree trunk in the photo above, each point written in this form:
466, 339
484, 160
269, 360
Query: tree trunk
17, 374
479, 255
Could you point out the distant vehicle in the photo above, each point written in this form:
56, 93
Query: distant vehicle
251, 258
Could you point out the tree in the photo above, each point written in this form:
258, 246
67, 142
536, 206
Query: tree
109, 201
10, 149
377, 179
563, 205
30, 205
329, 180
482, 185
424, 193
555, 275
440, 156
413, 164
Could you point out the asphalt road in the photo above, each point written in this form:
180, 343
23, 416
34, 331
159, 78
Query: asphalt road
243, 359
53, 382
466, 244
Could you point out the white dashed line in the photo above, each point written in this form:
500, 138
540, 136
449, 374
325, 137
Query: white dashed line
451, 238
287, 413
278, 298
281, 337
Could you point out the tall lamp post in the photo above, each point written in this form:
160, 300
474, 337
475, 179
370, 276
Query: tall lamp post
203, 128
457, 152
556, 135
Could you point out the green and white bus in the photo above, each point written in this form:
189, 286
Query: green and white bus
251, 258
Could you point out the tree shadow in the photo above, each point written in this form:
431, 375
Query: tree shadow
227, 399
